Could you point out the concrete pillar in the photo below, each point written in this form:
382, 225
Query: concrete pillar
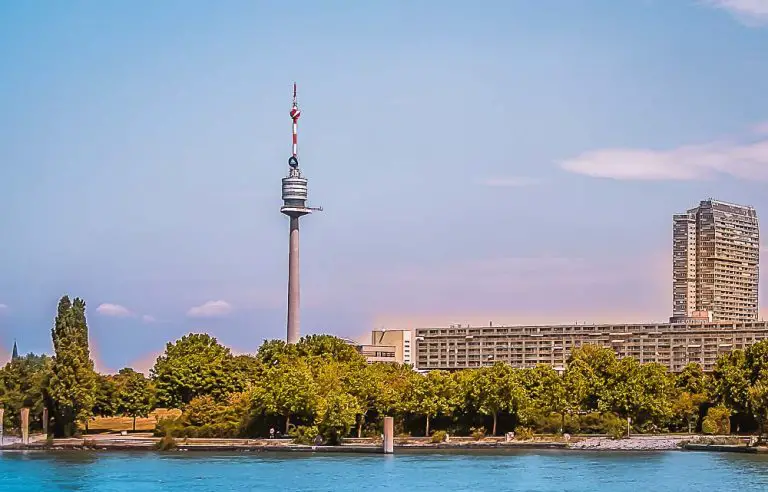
293, 283
389, 435
25, 425
2, 415
45, 422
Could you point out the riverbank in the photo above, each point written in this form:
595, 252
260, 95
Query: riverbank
145, 441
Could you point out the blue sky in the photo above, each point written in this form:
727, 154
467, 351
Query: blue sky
510, 161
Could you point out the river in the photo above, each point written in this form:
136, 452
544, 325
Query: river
428, 472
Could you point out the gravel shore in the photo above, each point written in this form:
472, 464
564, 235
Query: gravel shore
631, 444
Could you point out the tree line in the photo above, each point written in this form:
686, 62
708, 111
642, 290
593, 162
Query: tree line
323, 386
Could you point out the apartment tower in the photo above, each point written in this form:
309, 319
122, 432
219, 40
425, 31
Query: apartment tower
716, 251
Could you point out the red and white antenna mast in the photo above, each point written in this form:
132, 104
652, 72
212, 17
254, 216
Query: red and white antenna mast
295, 113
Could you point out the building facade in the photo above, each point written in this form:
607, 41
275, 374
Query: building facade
402, 340
715, 262
673, 345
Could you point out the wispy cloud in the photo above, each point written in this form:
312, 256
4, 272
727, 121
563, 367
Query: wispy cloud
746, 158
147, 318
510, 182
114, 310
210, 309
760, 128
749, 12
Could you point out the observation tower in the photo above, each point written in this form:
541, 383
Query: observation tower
295, 207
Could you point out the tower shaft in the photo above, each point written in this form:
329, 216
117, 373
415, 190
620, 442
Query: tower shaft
293, 282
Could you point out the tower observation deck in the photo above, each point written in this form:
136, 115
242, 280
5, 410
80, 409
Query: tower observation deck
295, 193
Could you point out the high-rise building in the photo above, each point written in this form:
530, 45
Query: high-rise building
716, 251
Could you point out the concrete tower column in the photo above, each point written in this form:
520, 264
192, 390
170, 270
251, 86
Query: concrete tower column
293, 282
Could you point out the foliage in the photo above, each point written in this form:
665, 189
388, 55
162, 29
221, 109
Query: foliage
523, 433
495, 389
134, 395
431, 395
22, 384
304, 434
198, 365
477, 433
717, 421
72, 384
166, 443
439, 436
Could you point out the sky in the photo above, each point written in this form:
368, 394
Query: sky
507, 161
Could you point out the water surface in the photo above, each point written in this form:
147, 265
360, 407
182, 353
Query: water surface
448, 471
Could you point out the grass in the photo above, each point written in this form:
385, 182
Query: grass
143, 424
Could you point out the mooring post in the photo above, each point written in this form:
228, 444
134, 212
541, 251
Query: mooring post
389, 435
2, 414
25, 425
45, 421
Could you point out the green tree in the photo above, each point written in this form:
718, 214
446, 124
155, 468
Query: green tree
22, 384
687, 407
106, 399
692, 379
287, 388
72, 384
495, 389
329, 347
134, 394
196, 365
731, 378
547, 390
589, 370
336, 409
431, 394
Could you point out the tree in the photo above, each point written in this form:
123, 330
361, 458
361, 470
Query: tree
329, 347
731, 381
72, 384
336, 409
431, 395
548, 391
195, 365
106, 402
134, 394
22, 384
589, 369
687, 406
287, 388
691, 379
496, 388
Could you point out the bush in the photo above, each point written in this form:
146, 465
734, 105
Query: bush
477, 432
523, 433
614, 426
167, 443
439, 436
717, 421
172, 426
304, 434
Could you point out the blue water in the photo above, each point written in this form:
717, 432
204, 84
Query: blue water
513, 471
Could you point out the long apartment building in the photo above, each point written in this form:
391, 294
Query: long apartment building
673, 345
716, 252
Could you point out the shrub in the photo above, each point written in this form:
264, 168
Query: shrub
523, 433
717, 421
477, 432
304, 434
614, 426
167, 443
171, 426
439, 436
